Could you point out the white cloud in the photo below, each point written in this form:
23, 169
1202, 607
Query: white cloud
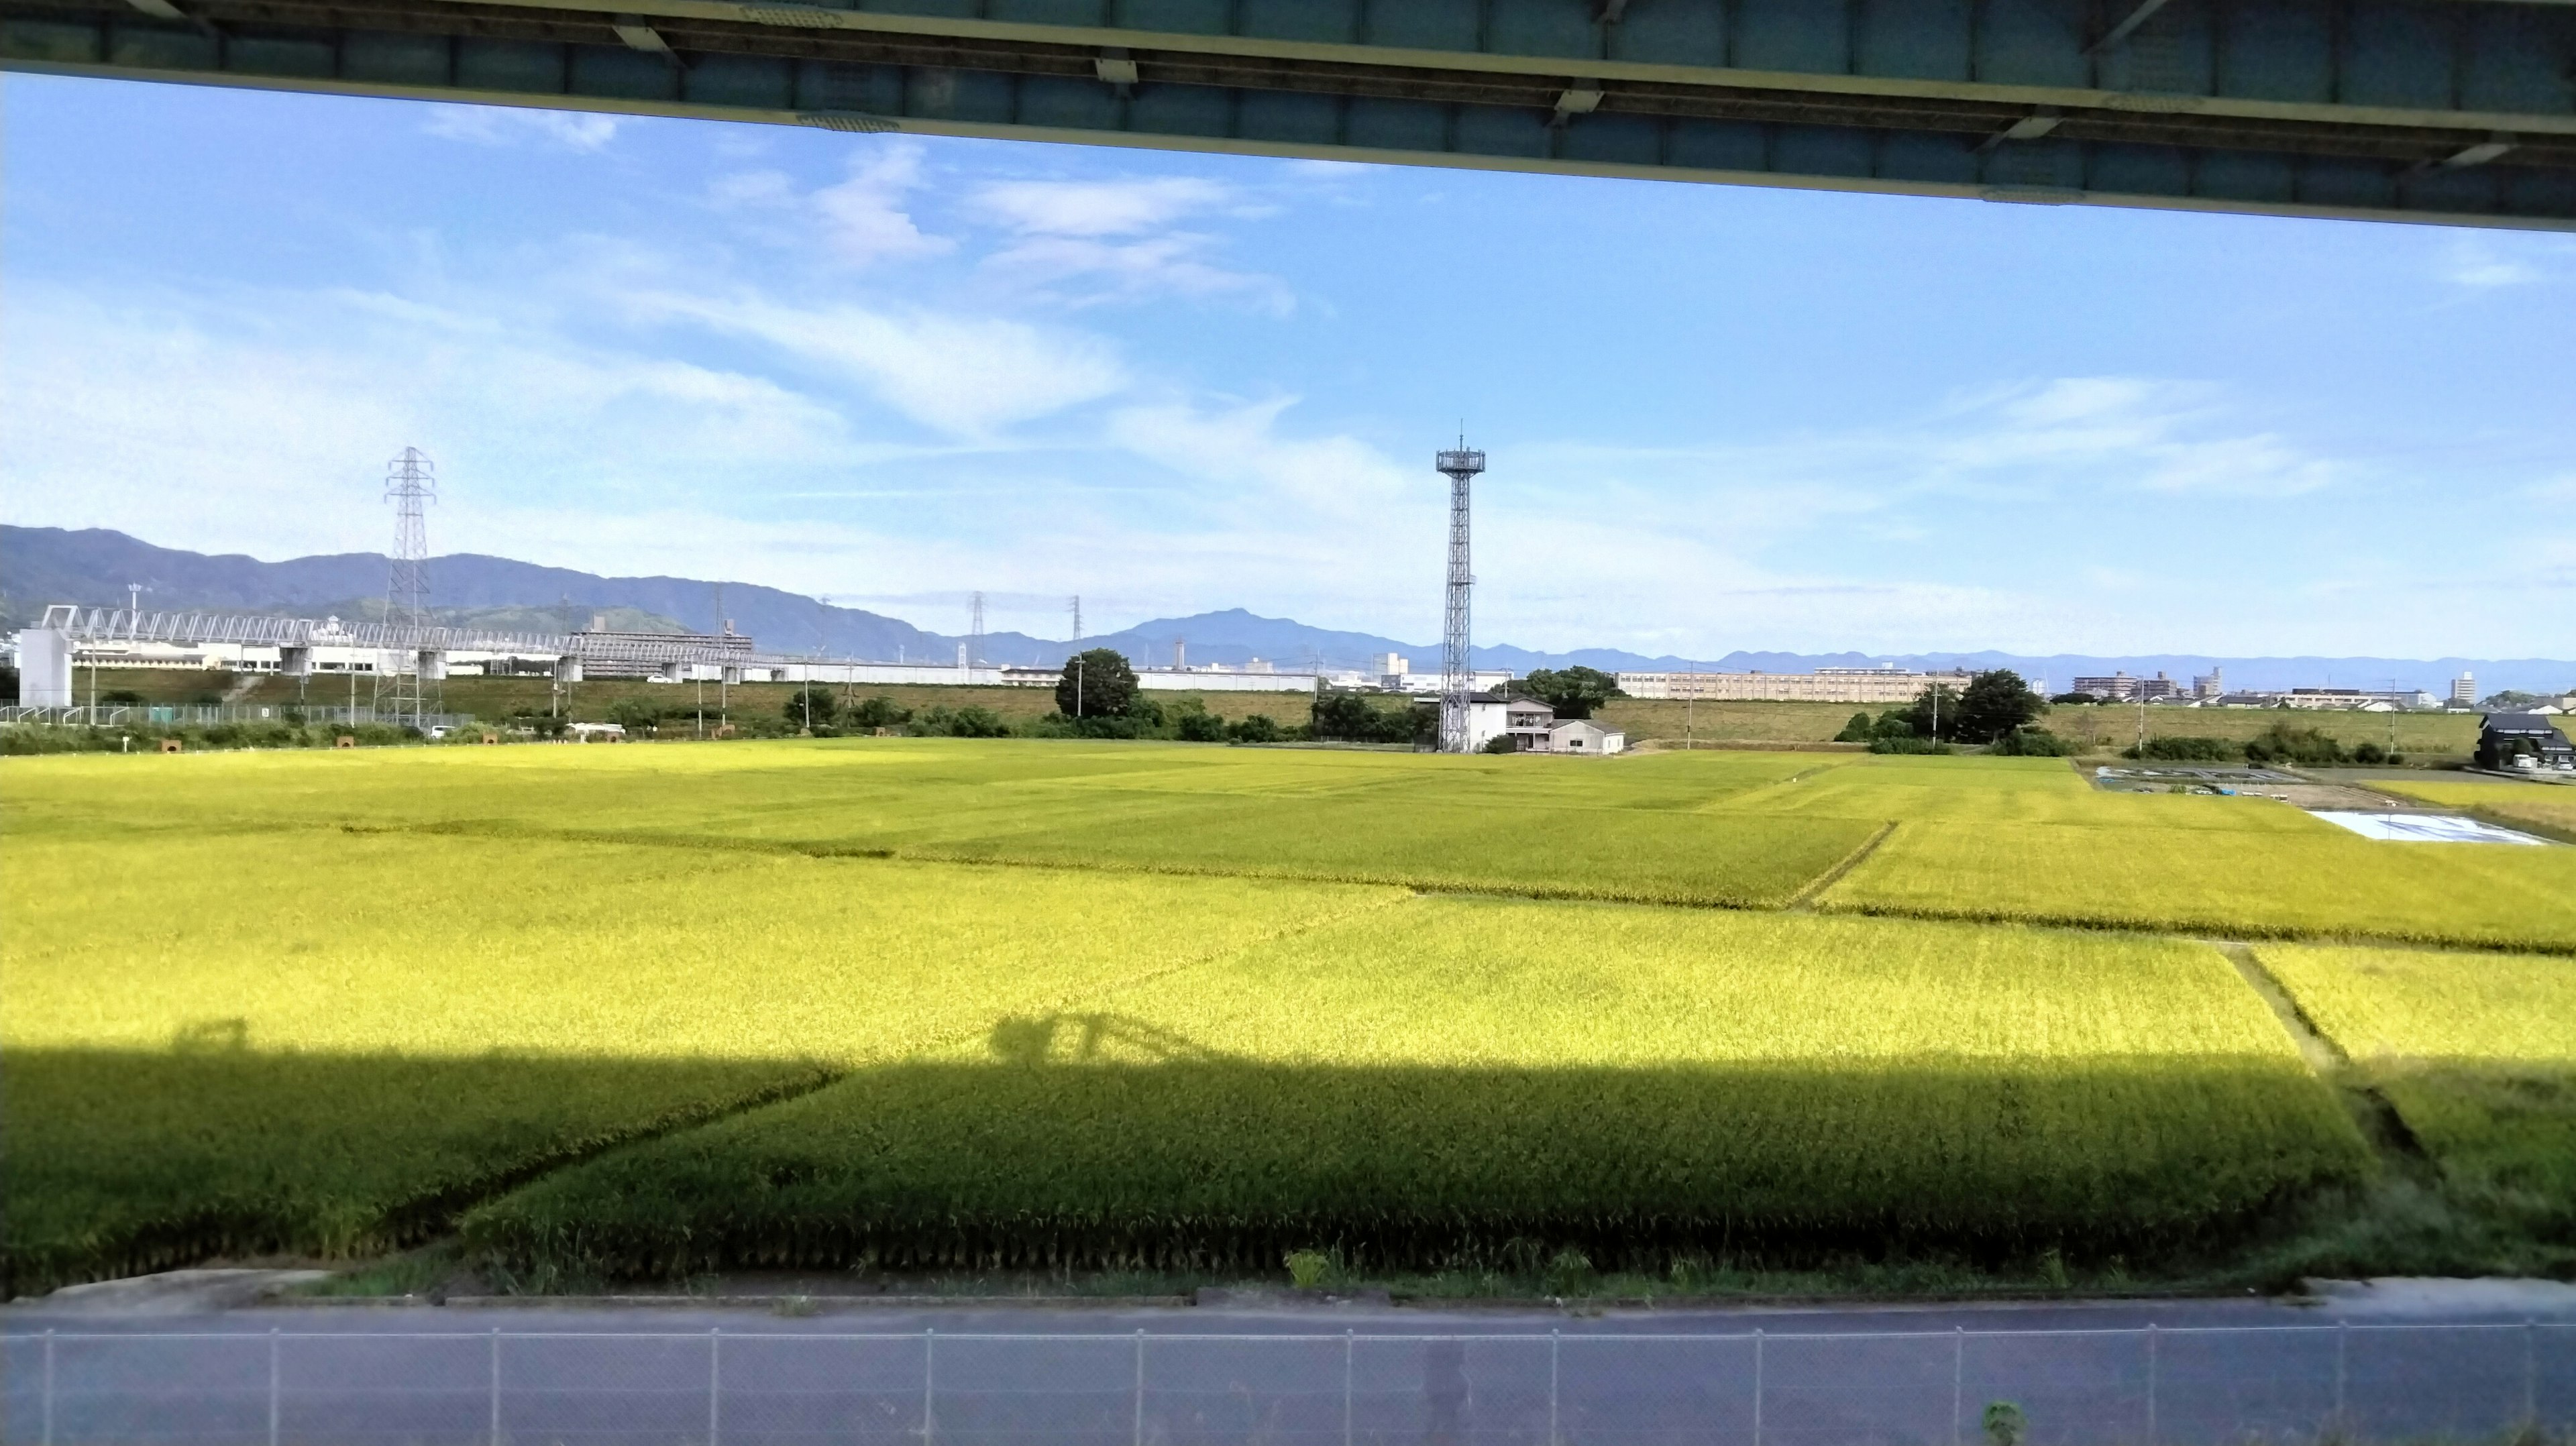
1097, 208
1116, 238
259, 422
492, 125
2476, 262
967, 376
863, 217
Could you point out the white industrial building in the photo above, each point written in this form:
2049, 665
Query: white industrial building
1824, 685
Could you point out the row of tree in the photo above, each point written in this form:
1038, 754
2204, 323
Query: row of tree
1993, 708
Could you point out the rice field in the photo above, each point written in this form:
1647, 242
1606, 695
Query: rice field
1430, 1084
333, 1052
2031, 842
644, 1009
2548, 810
2477, 1053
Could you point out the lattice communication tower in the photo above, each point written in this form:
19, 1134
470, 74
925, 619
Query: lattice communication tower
1457, 679
411, 483
975, 634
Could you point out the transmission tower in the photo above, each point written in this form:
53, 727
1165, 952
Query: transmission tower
1076, 602
975, 633
410, 484
1457, 679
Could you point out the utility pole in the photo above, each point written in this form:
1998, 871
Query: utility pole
1457, 678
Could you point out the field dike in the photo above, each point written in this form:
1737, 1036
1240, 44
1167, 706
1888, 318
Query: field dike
935, 854
1806, 898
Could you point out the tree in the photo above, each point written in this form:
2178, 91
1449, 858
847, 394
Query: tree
810, 707
1349, 716
1860, 729
1993, 704
635, 715
1096, 684
1255, 728
1935, 714
1572, 692
878, 712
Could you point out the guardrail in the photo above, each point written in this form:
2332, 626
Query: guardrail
2145, 1387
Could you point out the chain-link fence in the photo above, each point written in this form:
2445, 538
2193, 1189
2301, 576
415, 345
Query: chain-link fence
2150, 1387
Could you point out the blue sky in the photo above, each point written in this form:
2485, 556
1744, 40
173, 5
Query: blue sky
888, 369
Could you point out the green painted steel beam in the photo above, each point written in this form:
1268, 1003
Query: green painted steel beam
2449, 111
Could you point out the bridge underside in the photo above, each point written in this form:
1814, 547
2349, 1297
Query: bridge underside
2452, 111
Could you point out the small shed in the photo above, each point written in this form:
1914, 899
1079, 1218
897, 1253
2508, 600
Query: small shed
1581, 735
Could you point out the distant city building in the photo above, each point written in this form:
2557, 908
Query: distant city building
2211, 684
2464, 690
2121, 688
1386, 663
2368, 700
1825, 685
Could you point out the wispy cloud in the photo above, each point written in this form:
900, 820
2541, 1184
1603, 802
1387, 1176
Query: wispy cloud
492, 125
964, 375
1118, 240
2476, 262
1097, 208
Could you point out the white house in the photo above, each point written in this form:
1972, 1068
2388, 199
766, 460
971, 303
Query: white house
1533, 728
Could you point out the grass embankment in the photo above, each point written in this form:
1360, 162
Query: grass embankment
2105, 728
496, 699
1432, 1084
2477, 1054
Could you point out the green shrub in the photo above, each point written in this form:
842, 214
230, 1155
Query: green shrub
1254, 728
1901, 743
2185, 748
1308, 1269
2033, 743
2282, 743
879, 712
1201, 727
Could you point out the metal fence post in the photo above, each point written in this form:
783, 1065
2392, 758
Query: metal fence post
2151, 1383
1958, 1380
1350, 1350
1140, 1387
715, 1381
46, 1408
2530, 1374
929, 1384
272, 1386
496, 1386
2343, 1338
1757, 1386
1555, 1348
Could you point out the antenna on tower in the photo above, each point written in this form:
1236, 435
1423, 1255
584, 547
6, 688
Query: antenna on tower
411, 483
1457, 679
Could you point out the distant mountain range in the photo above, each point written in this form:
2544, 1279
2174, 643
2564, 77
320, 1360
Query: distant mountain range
93, 566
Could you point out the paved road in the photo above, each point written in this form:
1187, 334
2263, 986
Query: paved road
2405, 1366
